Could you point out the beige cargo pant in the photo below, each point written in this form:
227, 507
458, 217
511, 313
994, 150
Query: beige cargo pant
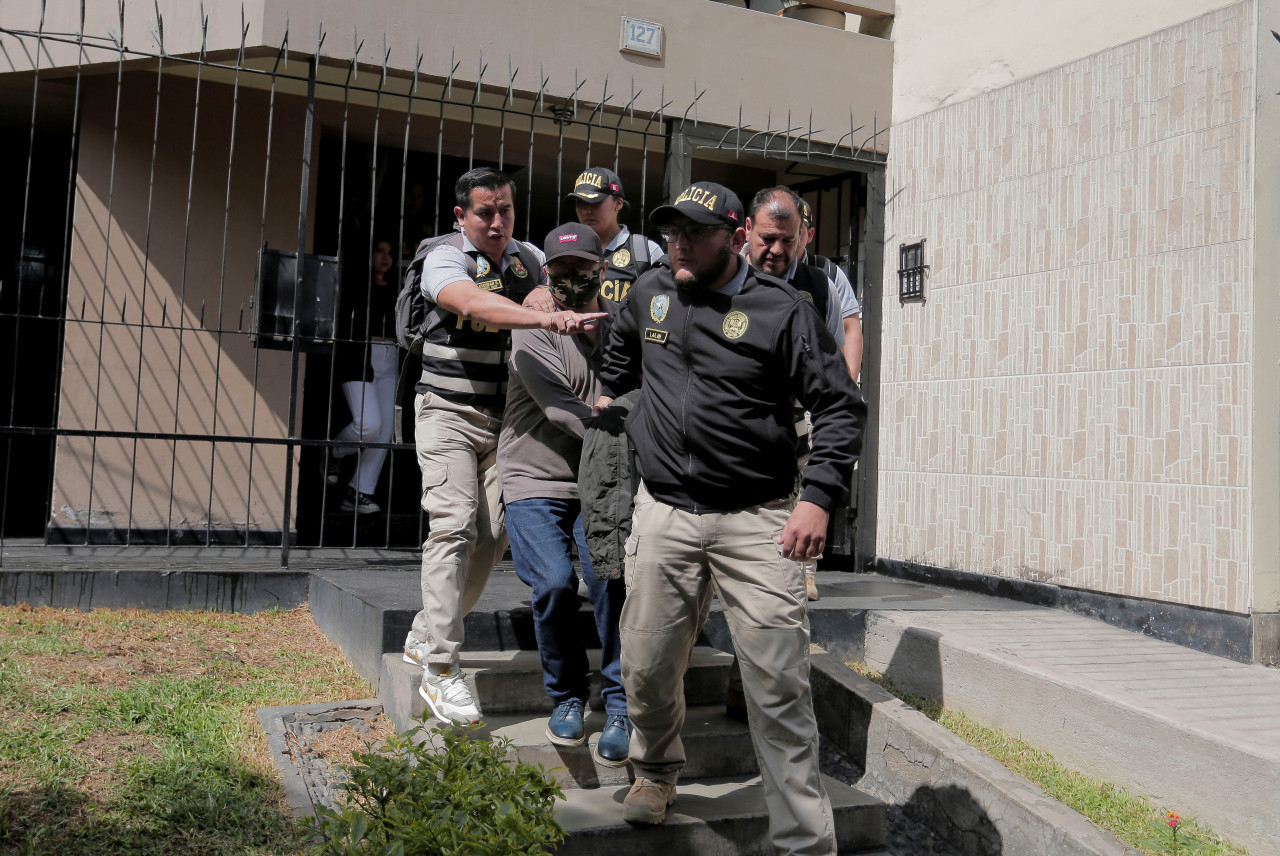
458, 454
674, 560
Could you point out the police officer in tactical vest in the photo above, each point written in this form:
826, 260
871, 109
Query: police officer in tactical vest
599, 201
474, 281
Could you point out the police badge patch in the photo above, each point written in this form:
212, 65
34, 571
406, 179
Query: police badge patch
621, 258
735, 324
518, 268
482, 266
658, 307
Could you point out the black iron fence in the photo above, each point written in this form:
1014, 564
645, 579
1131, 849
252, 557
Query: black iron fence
173, 378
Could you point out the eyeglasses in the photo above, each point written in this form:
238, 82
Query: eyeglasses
691, 234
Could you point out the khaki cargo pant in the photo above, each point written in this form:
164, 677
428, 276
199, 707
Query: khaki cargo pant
458, 454
674, 560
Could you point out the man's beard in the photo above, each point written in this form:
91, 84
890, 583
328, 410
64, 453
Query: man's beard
704, 280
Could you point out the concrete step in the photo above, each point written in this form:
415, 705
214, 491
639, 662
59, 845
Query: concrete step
510, 682
367, 613
716, 818
715, 746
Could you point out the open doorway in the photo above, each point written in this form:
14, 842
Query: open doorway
33, 246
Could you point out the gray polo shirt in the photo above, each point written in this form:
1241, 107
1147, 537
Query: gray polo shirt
553, 383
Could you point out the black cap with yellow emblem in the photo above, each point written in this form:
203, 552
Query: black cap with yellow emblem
596, 183
806, 214
703, 202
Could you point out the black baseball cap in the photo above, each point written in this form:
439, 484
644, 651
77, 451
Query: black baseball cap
596, 183
703, 202
806, 213
573, 239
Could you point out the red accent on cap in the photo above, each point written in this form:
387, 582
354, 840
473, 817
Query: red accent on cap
732, 214
615, 187
566, 239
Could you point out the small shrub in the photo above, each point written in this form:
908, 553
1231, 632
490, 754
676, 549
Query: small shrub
453, 794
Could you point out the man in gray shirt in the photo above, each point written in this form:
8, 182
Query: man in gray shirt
551, 379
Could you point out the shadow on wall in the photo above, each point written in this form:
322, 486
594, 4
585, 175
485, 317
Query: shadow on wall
956, 819
916, 666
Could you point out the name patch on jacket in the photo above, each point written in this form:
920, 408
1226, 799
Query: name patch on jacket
490, 285
652, 334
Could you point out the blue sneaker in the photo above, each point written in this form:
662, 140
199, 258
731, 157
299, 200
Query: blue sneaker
613, 749
565, 727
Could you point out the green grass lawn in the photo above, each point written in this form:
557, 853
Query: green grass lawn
1131, 818
130, 732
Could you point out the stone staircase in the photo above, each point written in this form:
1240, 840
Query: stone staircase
719, 810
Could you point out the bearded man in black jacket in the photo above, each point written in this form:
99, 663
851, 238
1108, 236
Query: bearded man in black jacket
726, 352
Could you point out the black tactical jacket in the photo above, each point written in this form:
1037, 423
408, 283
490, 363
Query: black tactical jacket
714, 427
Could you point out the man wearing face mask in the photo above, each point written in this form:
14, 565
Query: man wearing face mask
724, 351
552, 379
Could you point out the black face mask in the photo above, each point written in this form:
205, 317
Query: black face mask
575, 289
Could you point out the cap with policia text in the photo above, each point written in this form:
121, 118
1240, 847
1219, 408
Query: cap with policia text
597, 183
573, 239
806, 214
703, 202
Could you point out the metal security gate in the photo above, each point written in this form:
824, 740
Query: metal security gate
171, 288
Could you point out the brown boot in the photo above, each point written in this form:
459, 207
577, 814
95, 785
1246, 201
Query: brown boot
647, 801
811, 585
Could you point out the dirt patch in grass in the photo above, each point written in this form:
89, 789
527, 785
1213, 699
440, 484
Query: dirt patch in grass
336, 746
116, 650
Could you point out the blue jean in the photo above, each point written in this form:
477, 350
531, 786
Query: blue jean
540, 531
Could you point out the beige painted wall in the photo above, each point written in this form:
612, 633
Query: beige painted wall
1074, 402
1265, 416
712, 44
946, 51
188, 380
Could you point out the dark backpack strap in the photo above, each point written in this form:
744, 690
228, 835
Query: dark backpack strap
640, 253
435, 312
828, 266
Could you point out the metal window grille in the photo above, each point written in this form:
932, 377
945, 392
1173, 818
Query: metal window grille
911, 271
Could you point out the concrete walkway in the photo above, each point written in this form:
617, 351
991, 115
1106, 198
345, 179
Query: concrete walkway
1196, 733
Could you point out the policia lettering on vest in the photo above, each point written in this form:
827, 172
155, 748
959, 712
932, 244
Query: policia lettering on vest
471, 283
599, 202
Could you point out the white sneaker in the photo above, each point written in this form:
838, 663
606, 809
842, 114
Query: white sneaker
449, 697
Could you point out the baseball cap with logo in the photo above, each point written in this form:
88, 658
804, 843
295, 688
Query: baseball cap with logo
596, 183
806, 213
703, 202
573, 239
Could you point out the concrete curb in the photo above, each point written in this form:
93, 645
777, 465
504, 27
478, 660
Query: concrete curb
273, 721
159, 589
1165, 755
973, 801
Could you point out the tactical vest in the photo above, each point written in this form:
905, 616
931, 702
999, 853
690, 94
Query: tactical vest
822, 263
812, 282
626, 263
466, 361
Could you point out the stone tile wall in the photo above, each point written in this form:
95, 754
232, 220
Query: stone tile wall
1071, 404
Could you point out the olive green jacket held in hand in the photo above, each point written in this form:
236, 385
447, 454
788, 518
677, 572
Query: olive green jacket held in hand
607, 481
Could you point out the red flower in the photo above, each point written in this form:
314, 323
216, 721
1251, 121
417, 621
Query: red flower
1173, 819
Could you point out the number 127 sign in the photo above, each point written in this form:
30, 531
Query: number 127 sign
642, 37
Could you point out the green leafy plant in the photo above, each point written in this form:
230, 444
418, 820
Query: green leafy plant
447, 792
